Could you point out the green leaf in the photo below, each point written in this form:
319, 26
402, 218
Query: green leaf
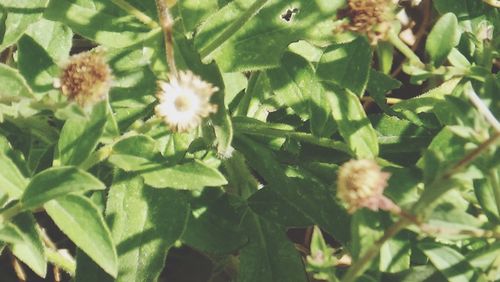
366, 228
55, 37
138, 153
347, 65
36, 65
485, 195
12, 179
295, 85
192, 175
443, 37
13, 84
145, 223
268, 203
17, 15
378, 86
353, 124
79, 136
269, 256
395, 254
30, 249
263, 161
105, 24
239, 38
448, 261
81, 221
194, 12
463, 9
214, 225
55, 182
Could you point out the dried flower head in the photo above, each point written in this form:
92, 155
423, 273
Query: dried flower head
184, 101
370, 17
361, 183
86, 78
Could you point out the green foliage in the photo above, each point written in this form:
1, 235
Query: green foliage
250, 188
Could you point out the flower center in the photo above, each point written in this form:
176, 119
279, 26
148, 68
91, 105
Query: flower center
182, 103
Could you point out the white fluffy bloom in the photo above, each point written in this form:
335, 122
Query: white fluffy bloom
184, 101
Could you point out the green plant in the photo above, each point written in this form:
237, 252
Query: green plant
210, 130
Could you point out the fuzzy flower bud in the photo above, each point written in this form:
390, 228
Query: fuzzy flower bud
86, 78
369, 17
184, 101
361, 183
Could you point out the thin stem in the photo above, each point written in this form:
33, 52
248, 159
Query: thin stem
232, 28
97, 157
299, 136
136, 13
404, 49
61, 261
471, 156
167, 24
482, 108
10, 212
359, 267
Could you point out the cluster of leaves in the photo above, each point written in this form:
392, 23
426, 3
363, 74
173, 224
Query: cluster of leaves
125, 190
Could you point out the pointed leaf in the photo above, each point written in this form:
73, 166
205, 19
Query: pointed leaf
79, 136
82, 222
30, 250
55, 182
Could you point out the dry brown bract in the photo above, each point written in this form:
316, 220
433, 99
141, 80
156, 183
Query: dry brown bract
86, 78
370, 17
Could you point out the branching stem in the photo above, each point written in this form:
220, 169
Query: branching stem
167, 24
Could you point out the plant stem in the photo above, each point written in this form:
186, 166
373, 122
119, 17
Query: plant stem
232, 28
405, 50
66, 264
97, 157
167, 24
481, 107
299, 136
136, 13
10, 212
359, 267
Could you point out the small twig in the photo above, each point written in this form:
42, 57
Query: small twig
46, 239
167, 24
18, 269
359, 266
482, 108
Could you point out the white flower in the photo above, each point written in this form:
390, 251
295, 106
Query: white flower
184, 101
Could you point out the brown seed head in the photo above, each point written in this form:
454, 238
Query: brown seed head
86, 78
370, 17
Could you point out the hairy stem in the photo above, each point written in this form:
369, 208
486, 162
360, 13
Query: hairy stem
136, 13
167, 24
61, 261
404, 49
10, 212
360, 266
232, 28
